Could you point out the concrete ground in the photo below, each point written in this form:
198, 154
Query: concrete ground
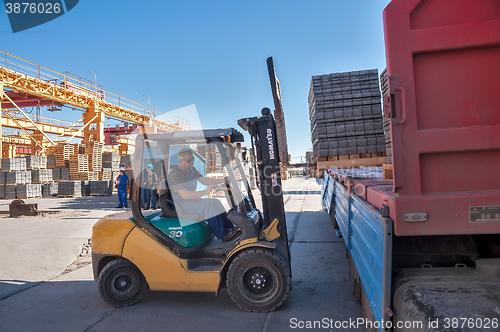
40, 290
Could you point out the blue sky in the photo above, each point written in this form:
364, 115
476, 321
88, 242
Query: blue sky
209, 53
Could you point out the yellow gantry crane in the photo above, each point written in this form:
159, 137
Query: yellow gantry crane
26, 84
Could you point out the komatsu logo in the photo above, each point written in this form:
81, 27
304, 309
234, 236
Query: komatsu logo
270, 143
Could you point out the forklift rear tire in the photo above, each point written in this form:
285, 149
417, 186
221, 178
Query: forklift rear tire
121, 283
258, 281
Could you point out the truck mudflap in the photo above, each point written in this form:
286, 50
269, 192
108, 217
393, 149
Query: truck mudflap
446, 299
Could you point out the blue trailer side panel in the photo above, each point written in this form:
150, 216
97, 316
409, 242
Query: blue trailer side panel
342, 210
371, 250
330, 195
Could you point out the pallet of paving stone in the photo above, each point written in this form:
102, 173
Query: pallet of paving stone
111, 160
69, 188
51, 161
101, 188
85, 188
49, 189
10, 192
384, 82
56, 173
2, 191
65, 174
41, 175
127, 161
17, 177
13, 164
35, 162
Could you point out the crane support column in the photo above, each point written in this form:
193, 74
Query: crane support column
94, 116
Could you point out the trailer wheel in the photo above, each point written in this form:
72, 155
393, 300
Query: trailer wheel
354, 280
367, 313
121, 283
258, 281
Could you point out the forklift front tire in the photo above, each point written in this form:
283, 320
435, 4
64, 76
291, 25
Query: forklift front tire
121, 283
258, 281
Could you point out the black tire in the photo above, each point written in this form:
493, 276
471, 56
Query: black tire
121, 283
367, 313
354, 280
258, 281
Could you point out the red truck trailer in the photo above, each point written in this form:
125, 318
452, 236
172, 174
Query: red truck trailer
424, 250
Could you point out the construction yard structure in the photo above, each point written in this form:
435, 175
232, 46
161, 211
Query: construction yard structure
25, 84
44, 156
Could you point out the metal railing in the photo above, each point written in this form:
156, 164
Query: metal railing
84, 87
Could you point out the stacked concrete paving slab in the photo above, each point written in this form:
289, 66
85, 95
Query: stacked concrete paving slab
28, 190
35, 162
85, 188
51, 161
17, 177
13, 164
387, 123
345, 113
41, 175
69, 188
126, 161
49, 189
111, 160
101, 188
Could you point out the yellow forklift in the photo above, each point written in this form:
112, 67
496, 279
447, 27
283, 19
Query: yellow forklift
170, 250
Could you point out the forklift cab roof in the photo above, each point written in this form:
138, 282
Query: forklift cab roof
191, 136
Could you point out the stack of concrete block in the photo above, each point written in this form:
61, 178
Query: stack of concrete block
10, 192
69, 188
13, 164
65, 174
49, 189
56, 173
29, 190
387, 122
127, 161
2, 191
51, 161
36, 162
346, 114
17, 177
86, 188
41, 175
111, 160
101, 188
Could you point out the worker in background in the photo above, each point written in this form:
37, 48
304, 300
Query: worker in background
150, 184
121, 186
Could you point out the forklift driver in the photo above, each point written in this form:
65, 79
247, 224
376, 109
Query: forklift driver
182, 181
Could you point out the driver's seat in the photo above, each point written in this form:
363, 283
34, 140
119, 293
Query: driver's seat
167, 204
166, 201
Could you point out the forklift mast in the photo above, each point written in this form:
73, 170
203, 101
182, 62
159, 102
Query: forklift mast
262, 130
